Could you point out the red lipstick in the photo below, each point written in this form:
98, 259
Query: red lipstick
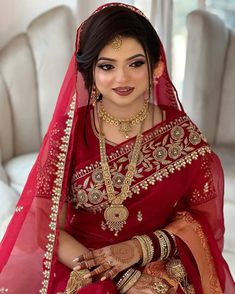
123, 91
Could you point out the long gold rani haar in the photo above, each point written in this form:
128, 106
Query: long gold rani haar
116, 214
125, 126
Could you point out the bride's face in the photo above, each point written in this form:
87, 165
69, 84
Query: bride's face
121, 74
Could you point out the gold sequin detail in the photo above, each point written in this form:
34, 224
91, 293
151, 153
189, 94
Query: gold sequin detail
63, 145
19, 208
139, 216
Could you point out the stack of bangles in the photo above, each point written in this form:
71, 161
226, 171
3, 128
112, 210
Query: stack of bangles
129, 278
159, 245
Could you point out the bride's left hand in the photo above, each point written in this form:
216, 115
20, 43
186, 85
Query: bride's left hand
110, 260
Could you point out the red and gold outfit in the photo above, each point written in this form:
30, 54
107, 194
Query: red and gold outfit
178, 187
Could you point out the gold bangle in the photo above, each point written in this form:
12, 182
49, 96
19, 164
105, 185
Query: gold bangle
131, 281
144, 250
168, 243
147, 248
163, 244
174, 240
124, 278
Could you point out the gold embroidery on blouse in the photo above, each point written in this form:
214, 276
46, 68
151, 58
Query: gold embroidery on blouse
159, 159
56, 194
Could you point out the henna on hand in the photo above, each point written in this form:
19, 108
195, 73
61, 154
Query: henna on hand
110, 260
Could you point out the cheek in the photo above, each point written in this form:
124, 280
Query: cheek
102, 79
142, 76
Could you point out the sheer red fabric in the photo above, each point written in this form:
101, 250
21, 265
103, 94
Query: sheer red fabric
30, 244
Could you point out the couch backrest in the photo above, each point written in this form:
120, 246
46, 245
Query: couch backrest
32, 67
209, 85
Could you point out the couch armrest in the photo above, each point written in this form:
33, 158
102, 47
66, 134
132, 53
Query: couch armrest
8, 200
205, 60
6, 127
3, 175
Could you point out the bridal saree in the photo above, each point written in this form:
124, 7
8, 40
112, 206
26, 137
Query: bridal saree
178, 187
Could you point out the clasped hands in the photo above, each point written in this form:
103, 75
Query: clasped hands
107, 262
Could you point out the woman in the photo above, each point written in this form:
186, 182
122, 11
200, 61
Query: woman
126, 195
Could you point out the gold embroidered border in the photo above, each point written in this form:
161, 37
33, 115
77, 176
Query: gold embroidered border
127, 148
215, 287
158, 176
56, 194
170, 169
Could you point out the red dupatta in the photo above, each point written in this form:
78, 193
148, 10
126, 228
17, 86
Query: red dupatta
28, 249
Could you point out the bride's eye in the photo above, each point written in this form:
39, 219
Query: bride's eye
137, 63
105, 67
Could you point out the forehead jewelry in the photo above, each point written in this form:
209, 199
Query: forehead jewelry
116, 43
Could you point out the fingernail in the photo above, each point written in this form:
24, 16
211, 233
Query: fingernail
77, 268
86, 276
75, 259
102, 279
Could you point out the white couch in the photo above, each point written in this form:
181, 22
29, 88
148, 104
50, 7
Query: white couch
209, 99
32, 67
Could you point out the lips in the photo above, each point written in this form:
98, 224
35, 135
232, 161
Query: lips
123, 91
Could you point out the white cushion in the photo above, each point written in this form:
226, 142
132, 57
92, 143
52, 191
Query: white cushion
229, 241
18, 169
227, 156
8, 199
230, 258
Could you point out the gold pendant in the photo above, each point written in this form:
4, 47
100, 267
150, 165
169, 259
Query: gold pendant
116, 216
125, 128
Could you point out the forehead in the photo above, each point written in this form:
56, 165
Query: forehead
128, 47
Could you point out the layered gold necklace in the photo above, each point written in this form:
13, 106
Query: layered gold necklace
116, 213
125, 126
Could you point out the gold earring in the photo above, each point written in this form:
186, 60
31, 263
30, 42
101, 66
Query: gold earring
149, 93
94, 95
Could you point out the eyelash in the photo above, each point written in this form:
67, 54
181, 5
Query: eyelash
107, 66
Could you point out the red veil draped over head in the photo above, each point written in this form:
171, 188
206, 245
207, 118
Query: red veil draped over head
28, 251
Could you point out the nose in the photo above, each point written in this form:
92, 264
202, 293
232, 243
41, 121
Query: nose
121, 75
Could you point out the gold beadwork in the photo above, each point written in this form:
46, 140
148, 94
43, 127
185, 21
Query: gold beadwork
125, 126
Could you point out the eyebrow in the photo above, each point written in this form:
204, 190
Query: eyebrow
129, 58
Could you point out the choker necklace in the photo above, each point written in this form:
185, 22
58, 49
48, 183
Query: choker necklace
125, 126
116, 213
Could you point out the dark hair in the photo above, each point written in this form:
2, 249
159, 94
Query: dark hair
102, 27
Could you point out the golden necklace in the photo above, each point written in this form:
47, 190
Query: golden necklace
116, 213
125, 126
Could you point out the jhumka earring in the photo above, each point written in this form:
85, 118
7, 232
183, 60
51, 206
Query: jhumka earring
148, 94
94, 95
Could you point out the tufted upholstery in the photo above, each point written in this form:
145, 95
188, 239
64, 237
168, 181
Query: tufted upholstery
209, 99
32, 67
